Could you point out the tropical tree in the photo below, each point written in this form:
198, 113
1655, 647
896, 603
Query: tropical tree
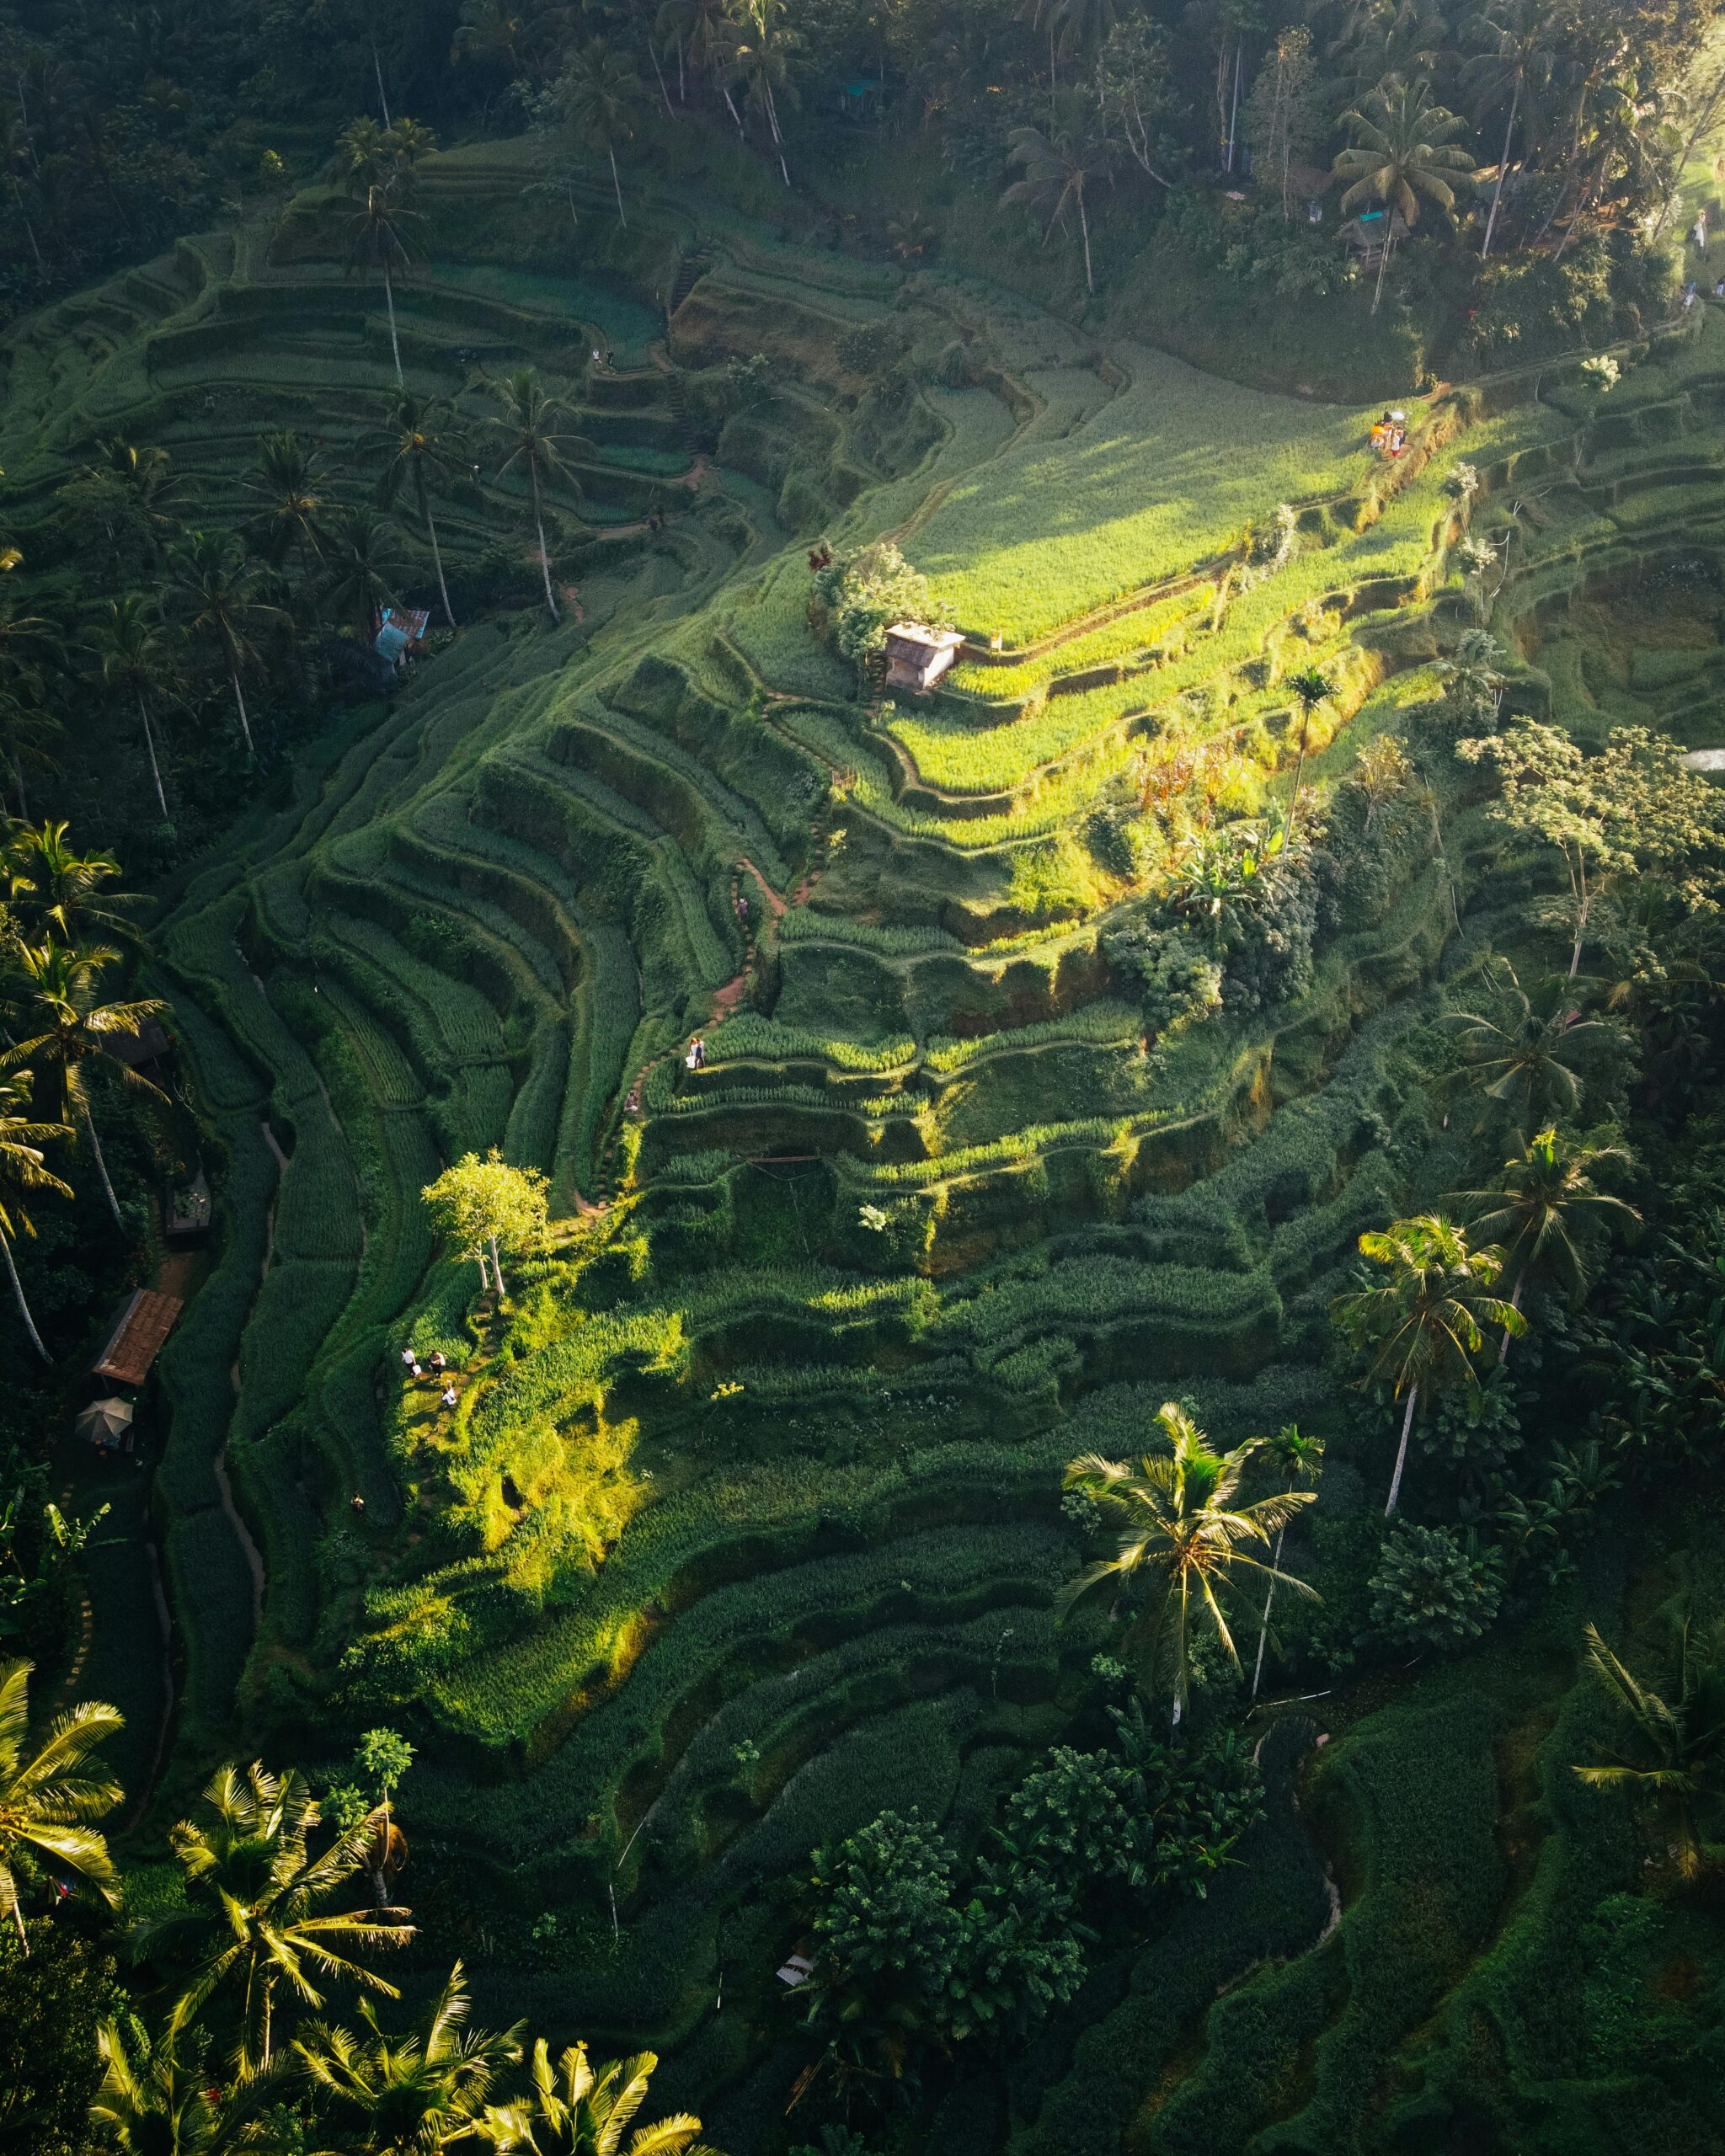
255, 1918
1182, 1527
214, 591
146, 481
413, 442
1521, 1052
23, 1173
1312, 686
758, 46
288, 484
411, 2095
51, 886
1419, 1329
1403, 149
1546, 1194
535, 444
378, 231
1472, 676
1521, 42
67, 1025
598, 93
1300, 1457
1382, 773
1671, 1756
1055, 169
698, 29
1219, 876
360, 566
48, 1793
155, 2098
577, 2109
136, 657
480, 1204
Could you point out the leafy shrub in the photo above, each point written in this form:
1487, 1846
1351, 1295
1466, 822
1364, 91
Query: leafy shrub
865, 592
1433, 1588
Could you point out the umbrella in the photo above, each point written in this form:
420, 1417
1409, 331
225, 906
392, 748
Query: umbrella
105, 1422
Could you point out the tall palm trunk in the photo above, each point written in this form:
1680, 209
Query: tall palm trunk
239, 705
424, 495
1234, 111
101, 1164
155, 768
1084, 227
1263, 1628
1299, 770
617, 186
24, 1308
382, 95
394, 341
1502, 169
1384, 258
1577, 883
1514, 1304
544, 556
1401, 1451
496, 1266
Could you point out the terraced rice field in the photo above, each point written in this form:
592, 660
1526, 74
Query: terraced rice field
744, 1528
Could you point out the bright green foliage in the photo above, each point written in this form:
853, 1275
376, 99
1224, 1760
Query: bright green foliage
865, 593
478, 1203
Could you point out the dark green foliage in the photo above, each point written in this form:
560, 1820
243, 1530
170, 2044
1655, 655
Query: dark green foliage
1434, 1587
52, 2001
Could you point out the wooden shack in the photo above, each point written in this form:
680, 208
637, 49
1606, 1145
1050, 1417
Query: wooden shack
136, 1339
916, 657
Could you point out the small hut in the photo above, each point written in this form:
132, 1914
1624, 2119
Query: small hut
917, 656
401, 628
1368, 234
137, 1337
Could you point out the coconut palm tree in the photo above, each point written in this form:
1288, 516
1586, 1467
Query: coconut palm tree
1181, 1524
68, 1025
1403, 149
287, 482
1672, 1756
52, 888
598, 93
1312, 687
23, 1172
1519, 43
378, 233
255, 1916
1055, 168
1382, 773
1521, 1054
48, 1794
577, 2109
411, 2095
155, 2100
1419, 1330
134, 656
759, 45
1300, 1459
1546, 1193
1472, 676
214, 588
148, 478
535, 444
698, 29
359, 559
412, 439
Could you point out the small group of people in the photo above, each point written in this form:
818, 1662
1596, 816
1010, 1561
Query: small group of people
436, 1367
695, 1059
1389, 434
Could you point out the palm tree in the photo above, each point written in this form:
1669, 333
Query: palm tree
409, 441
598, 93
67, 1025
1472, 677
27, 730
1301, 1458
528, 425
255, 1894
51, 886
1672, 1756
1055, 168
378, 239
698, 29
214, 588
416, 2094
1382, 773
23, 1172
135, 658
577, 2109
1181, 1522
1545, 1191
154, 2101
47, 1795
1521, 1055
366, 156
1419, 1331
758, 46
1403, 149
1519, 56
148, 477
1220, 876
287, 481
1312, 687
361, 565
